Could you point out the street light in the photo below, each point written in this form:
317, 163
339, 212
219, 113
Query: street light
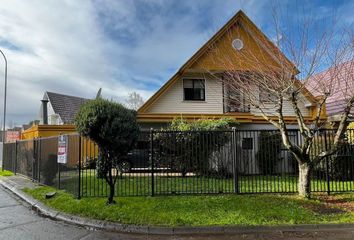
5, 92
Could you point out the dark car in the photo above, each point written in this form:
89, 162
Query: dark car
137, 159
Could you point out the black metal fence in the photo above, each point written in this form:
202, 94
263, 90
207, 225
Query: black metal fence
194, 162
37, 159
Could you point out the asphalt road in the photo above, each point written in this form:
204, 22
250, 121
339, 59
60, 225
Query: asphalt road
17, 221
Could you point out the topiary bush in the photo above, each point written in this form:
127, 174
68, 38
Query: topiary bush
114, 129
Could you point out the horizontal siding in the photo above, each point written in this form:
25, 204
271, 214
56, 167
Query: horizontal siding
337, 107
288, 110
172, 100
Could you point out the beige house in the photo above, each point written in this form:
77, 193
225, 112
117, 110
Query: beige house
196, 91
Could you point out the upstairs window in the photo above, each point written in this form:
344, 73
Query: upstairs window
194, 89
266, 96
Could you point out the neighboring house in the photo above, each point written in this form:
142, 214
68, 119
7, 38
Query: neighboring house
56, 116
59, 109
194, 92
341, 79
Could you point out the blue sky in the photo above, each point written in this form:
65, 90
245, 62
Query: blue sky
76, 47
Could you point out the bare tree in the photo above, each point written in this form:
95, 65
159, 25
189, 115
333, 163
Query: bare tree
262, 78
134, 101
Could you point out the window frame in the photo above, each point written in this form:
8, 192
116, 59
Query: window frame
194, 79
270, 97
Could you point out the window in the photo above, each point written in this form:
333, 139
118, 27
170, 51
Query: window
235, 102
266, 96
194, 89
247, 143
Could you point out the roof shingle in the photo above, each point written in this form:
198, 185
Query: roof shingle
65, 106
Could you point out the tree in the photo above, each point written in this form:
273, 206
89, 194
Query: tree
134, 101
268, 81
114, 129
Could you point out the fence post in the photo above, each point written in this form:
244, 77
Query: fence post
152, 161
327, 167
235, 167
79, 167
33, 158
39, 158
15, 163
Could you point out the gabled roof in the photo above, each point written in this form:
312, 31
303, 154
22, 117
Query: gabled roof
64, 105
337, 78
239, 18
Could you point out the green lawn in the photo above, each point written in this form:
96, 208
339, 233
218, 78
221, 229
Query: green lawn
208, 210
140, 184
5, 173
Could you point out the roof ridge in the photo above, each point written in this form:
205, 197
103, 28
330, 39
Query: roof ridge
66, 95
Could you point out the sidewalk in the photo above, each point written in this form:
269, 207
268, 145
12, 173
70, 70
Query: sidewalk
342, 231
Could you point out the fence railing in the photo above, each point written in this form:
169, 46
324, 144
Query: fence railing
188, 162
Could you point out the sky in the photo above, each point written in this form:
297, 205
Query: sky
76, 47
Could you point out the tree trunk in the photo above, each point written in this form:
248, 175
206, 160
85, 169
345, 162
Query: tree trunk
111, 194
111, 187
304, 180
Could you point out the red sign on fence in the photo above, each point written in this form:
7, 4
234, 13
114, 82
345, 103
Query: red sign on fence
62, 149
12, 136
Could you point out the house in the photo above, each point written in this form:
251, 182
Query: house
56, 116
59, 109
194, 92
339, 80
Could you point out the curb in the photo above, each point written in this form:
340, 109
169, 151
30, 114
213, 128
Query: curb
91, 224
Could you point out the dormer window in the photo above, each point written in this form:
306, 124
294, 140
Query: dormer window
194, 89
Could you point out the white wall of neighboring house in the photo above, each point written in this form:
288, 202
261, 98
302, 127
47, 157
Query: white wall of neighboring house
53, 118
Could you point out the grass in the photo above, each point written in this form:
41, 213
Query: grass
140, 184
5, 173
208, 210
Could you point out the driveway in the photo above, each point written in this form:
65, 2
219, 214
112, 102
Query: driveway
17, 221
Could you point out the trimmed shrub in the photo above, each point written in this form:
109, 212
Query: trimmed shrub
114, 129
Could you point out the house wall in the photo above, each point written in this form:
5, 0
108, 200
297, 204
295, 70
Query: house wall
172, 101
51, 113
288, 110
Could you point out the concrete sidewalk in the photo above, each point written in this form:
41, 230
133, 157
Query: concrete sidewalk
120, 231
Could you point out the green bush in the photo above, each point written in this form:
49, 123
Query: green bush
114, 129
186, 146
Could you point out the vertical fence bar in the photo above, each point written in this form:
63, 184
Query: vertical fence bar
58, 175
39, 159
152, 161
235, 168
33, 158
79, 168
327, 165
15, 163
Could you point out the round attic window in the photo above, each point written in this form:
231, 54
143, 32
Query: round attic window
237, 44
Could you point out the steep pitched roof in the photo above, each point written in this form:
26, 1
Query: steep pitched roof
337, 78
239, 18
65, 106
